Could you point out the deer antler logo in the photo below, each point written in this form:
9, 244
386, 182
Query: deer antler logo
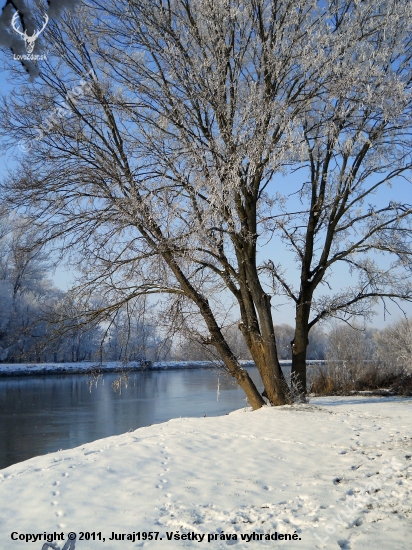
29, 40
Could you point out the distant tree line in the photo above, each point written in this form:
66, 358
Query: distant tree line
352, 345
34, 317
192, 349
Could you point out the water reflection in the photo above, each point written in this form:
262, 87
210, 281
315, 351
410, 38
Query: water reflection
42, 414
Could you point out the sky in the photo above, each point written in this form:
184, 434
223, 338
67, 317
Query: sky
283, 311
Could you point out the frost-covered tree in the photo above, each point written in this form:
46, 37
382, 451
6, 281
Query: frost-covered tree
132, 336
394, 345
284, 338
25, 290
39, 322
170, 140
350, 344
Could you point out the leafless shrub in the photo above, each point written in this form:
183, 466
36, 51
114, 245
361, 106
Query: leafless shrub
341, 379
353, 363
394, 346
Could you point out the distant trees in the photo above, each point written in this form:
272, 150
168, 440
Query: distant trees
204, 129
390, 348
394, 345
284, 338
188, 347
131, 337
361, 358
350, 344
40, 323
25, 291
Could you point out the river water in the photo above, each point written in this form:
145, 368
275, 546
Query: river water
42, 414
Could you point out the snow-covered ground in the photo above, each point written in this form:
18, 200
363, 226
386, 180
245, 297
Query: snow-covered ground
336, 473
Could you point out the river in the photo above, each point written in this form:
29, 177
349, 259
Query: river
42, 414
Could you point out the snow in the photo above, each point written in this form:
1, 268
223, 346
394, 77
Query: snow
336, 472
24, 369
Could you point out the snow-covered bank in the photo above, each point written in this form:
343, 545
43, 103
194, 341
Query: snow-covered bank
337, 473
25, 369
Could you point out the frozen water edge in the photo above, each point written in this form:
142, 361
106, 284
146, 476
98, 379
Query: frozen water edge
26, 369
337, 472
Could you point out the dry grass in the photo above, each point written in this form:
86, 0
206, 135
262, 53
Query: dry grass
340, 378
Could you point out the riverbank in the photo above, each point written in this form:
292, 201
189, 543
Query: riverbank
336, 473
85, 367
27, 369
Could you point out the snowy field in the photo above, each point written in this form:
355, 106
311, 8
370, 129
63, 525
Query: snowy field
336, 473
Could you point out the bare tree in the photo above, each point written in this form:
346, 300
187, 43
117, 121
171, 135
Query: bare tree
394, 345
351, 345
358, 142
157, 132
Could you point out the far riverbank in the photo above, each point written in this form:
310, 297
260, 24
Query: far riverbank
90, 367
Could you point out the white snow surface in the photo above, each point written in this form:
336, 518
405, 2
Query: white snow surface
337, 472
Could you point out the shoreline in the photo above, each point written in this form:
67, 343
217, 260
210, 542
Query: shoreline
94, 368
335, 472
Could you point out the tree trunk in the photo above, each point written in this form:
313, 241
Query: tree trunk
263, 342
265, 357
298, 374
299, 347
246, 383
